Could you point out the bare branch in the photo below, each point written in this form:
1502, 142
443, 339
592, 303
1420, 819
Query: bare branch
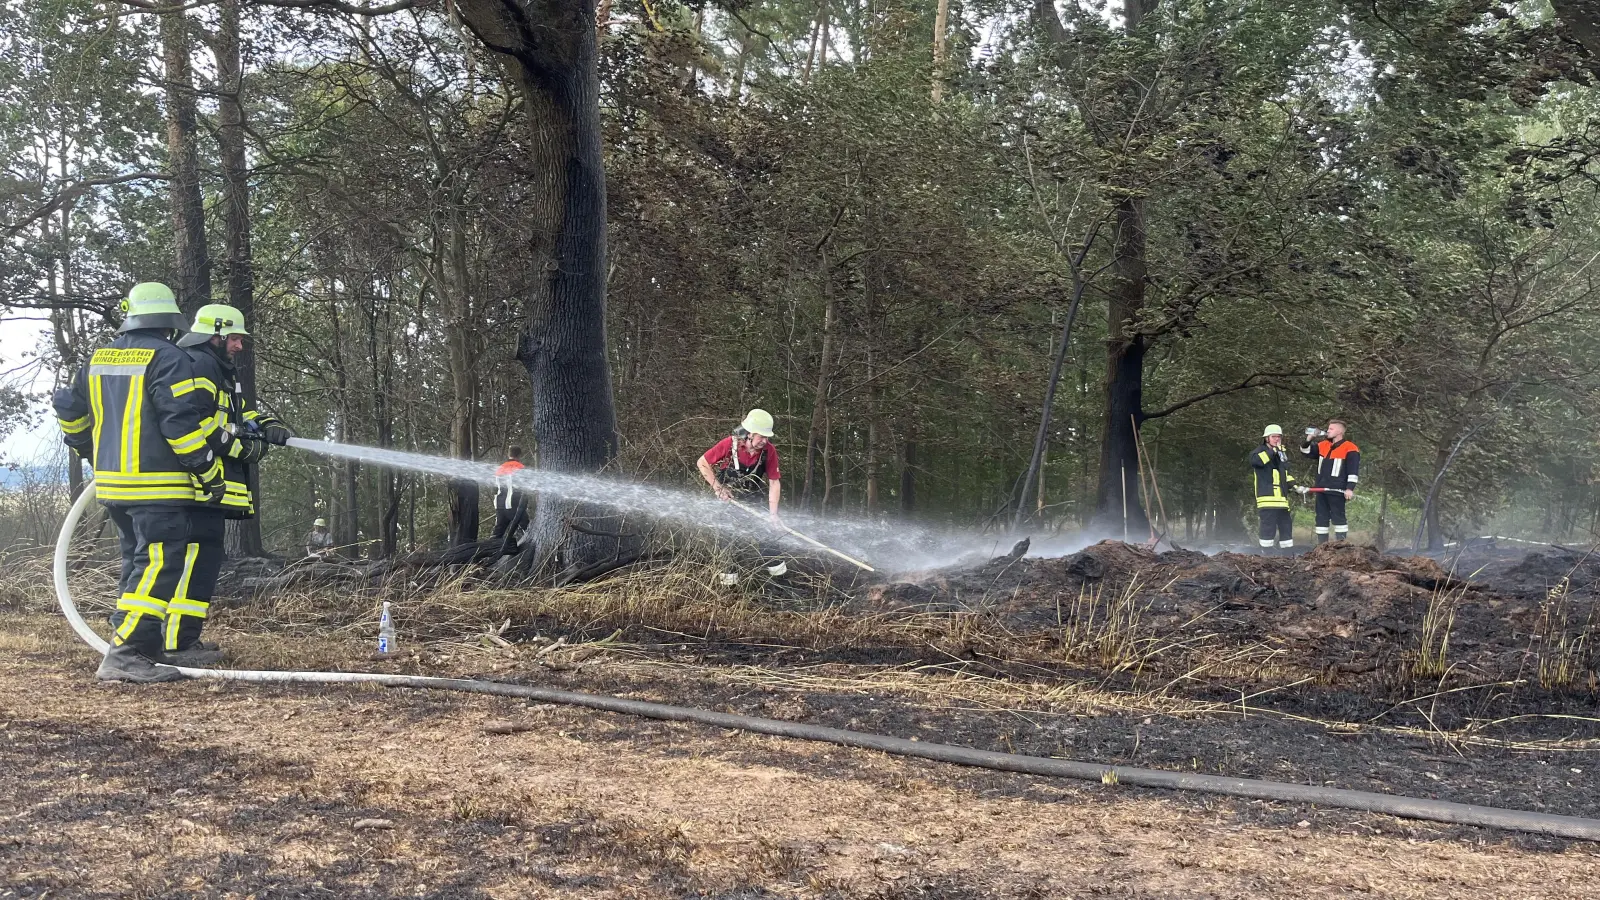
72, 192
100, 305
759, 33
1258, 379
349, 9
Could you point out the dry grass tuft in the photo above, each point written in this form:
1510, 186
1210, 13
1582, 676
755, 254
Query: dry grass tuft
1560, 649
1106, 631
488, 810
1432, 656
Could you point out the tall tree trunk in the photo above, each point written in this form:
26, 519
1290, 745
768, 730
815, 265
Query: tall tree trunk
343, 496
1044, 464
819, 409
465, 509
1125, 351
692, 70
188, 207
871, 494
941, 25
1381, 542
737, 90
394, 489
1435, 535
824, 372
550, 47
1443, 455
460, 330
816, 37
381, 356
827, 457
1041, 438
908, 476
875, 285
244, 535
350, 471
1124, 396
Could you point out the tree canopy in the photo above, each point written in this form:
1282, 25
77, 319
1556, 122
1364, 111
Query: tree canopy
871, 217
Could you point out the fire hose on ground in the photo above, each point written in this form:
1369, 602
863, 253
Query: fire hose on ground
1248, 788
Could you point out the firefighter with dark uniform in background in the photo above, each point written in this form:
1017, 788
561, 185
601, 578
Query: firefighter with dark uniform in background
136, 412
1273, 481
744, 466
1338, 473
216, 337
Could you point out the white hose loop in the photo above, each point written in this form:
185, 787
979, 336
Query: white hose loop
63, 592
70, 609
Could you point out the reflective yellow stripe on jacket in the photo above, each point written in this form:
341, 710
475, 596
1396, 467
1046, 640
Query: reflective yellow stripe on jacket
133, 461
1276, 499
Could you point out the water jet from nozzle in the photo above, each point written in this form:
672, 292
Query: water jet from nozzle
902, 545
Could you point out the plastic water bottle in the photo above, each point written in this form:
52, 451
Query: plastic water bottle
386, 631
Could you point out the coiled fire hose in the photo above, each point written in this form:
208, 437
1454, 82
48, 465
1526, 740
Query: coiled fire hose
1250, 788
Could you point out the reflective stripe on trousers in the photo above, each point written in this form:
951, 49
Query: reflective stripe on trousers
156, 560
203, 563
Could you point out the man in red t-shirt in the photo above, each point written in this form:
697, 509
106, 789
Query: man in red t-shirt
744, 464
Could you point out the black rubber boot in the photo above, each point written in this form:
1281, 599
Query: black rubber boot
124, 663
198, 656
191, 650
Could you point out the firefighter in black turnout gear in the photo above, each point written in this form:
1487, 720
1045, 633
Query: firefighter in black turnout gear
1338, 473
240, 439
135, 411
1270, 461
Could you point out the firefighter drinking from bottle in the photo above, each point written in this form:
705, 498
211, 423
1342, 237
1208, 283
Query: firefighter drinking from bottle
1270, 462
1338, 473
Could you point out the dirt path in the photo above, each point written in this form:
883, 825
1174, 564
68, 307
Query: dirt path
214, 790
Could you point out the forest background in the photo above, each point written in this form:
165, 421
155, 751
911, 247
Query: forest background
906, 227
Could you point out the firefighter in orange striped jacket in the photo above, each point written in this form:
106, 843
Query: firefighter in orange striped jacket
1338, 473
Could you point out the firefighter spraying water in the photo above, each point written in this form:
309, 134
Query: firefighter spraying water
158, 426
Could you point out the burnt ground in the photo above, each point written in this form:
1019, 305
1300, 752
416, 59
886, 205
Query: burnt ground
1297, 670
1497, 643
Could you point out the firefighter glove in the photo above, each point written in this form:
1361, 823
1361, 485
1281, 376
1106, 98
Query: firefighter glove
274, 431
250, 452
209, 483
